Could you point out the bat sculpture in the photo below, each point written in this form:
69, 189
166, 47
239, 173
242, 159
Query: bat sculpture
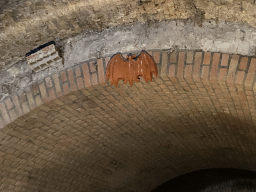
130, 69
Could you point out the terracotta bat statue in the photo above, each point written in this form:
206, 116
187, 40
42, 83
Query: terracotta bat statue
130, 69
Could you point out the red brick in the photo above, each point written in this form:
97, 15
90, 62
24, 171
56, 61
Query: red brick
197, 64
23, 97
215, 63
8, 103
181, 62
13, 115
233, 67
80, 83
189, 58
65, 88
223, 74
242, 97
188, 74
25, 108
156, 56
1, 123
164, 64
205, 72
251, 73
224, 60
78, 71
87, 81
94, 79
240, 77
172, 73
43, 91
4, 114
35, 89
92, 66
71, 79
207, 58
17, 105
30, 97
48, 82
63, 76
188, 71
57, 85
51, 93
101, 72
243, 63
173, 57
38, 100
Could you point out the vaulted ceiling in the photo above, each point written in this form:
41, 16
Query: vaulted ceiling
67, 129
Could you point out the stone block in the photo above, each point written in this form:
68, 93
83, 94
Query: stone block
44, 58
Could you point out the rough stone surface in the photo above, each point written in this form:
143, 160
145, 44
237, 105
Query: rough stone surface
26, 24
169, 35
15, 78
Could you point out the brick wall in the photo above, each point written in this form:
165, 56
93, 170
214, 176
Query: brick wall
73, 131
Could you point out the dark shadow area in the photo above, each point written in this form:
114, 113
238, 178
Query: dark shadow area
199, 180
39, 48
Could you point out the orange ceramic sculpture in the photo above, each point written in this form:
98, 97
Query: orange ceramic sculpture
130, 69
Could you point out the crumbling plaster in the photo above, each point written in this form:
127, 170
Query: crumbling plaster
26, 24
169, 35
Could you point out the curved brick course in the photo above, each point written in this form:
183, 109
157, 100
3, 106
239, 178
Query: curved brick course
186, 67
73, 131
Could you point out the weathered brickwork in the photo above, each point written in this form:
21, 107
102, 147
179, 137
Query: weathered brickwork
73, 131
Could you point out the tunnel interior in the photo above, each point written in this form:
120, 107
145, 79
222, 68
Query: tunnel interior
64, 127
221, 179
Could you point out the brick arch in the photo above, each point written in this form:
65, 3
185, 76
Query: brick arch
186, 67
75, 127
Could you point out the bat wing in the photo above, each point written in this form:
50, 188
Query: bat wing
116, 69
146, 66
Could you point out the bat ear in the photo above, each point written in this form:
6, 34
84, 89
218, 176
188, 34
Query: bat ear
116, 54
143, 51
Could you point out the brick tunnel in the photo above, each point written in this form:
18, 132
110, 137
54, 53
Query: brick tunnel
68, 129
